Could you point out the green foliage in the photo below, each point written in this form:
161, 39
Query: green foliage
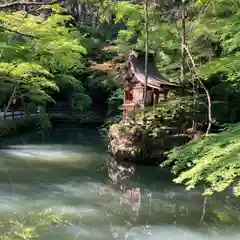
115, 110
39, 55
81, 100
15, 127
212, 36
132, 15
213, 39
115, 101
92, 38
172, 113
213, 160
215, 43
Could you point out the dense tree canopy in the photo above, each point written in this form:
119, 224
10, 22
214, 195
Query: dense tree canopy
39, 56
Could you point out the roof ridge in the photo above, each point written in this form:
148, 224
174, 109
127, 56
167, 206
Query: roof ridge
155, 78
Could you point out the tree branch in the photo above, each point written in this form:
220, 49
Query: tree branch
12, 95
202, 11
20, 33
24, 3
204, 88
9, 102
204, 210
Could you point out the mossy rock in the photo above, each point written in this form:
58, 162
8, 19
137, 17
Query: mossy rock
150, 132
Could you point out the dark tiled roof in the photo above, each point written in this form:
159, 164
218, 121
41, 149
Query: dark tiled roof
155, 79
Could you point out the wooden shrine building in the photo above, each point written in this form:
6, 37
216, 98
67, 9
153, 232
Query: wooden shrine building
134, 83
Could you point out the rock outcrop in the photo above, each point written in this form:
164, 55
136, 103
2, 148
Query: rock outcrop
133, 143
147, 136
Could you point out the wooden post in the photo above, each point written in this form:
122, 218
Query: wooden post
154, 97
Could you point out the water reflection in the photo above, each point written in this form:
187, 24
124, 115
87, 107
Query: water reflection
121, 173
99, 198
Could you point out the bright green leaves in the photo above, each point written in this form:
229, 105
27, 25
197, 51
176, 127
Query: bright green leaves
39, 50
214, 160
25, 69
215, 43
54, 45
31, 78
229, 64
222, 30
130, 12
131, 15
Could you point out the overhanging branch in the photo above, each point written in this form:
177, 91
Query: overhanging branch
25, 3
20, 33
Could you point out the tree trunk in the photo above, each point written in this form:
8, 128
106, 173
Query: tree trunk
183, 41
9, 102
146, 53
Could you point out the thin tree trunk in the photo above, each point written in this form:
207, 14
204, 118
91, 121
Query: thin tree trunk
146, 54
183, 42
143, 146
204, 88
204, 210
9, 101
11, 98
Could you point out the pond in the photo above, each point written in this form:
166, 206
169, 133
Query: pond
56, 185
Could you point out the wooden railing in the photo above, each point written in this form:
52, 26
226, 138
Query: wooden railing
12, 115
52, 112
63, 111
55, 112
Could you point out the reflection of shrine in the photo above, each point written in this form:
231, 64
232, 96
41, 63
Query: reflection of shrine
122, 175
131, 197
119, 172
